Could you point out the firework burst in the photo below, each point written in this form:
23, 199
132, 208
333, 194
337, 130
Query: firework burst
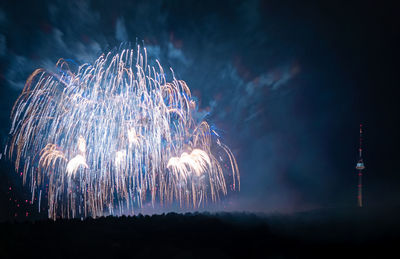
114, 134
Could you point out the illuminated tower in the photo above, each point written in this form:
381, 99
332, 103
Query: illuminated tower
360, 166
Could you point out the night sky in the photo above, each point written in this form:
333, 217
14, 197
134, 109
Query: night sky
286, 82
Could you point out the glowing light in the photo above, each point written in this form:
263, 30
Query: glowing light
120, 157
196, 162
81, 144
75, 163
133, 138
103, 139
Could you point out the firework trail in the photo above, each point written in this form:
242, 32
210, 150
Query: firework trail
114, 134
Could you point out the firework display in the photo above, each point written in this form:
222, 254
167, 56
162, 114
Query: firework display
114, 134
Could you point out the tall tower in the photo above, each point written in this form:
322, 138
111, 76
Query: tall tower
360, 166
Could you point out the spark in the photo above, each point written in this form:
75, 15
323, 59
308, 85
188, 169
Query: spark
106, 137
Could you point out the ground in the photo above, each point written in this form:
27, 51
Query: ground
316, 234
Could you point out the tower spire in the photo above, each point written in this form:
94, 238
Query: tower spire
360, 166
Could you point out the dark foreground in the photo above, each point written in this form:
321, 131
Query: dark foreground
315, 234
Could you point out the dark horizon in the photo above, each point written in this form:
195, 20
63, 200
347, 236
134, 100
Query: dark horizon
331, 233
